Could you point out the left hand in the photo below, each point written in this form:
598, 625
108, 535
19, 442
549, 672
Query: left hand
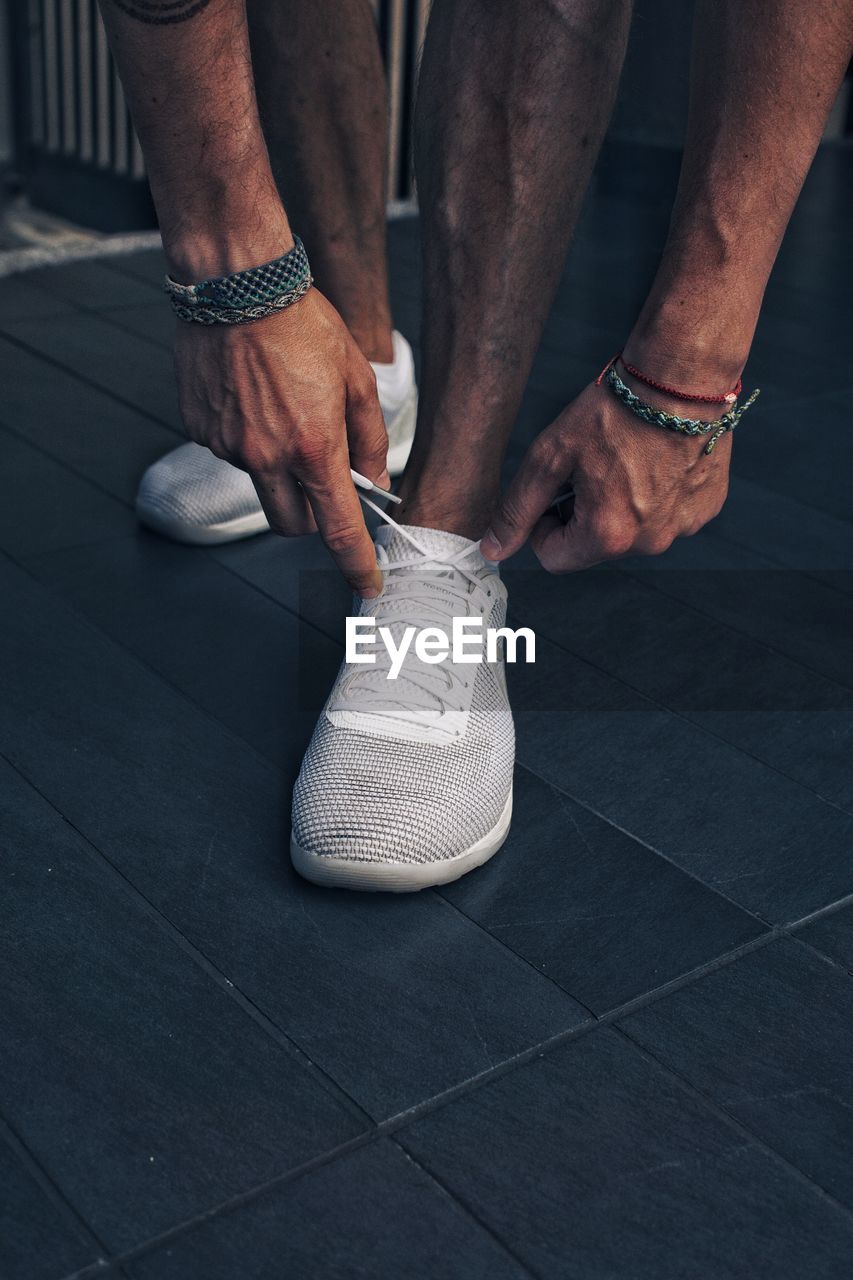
636, 487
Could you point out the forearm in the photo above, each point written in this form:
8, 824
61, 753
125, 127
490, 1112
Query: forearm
187, 74
765, 75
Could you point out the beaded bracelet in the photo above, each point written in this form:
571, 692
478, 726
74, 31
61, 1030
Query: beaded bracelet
686, 426
244, 295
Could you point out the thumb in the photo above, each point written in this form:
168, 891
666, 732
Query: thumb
539, 480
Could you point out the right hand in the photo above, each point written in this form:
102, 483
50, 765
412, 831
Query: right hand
291, 400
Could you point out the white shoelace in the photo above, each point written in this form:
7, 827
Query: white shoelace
439, 587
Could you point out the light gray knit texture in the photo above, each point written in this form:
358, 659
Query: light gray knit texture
191, 485
368, 798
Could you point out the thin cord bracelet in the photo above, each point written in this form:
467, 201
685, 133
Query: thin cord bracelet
730, 397
685, 426
244, 295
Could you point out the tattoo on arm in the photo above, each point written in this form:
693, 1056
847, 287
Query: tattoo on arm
161, 12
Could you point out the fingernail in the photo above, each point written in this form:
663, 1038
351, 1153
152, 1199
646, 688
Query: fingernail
489, 545
384, 481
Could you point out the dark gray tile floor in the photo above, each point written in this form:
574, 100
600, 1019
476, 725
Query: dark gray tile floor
621, 1049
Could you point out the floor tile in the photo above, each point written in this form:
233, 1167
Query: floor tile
807, 460
833, 935
594, 1163
138, 373
734, 823
91, 285
785, 610
148, 265
788, 532
196, 623
769, 1038
89, 430
44, 507
37, 1242
373, 1213
596, 911
139, 1084
151, 321
737, 687
397, 998
20, 299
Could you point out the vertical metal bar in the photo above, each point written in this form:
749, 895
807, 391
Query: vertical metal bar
103, 132
66, 59
33, 36
51, 75
85, 146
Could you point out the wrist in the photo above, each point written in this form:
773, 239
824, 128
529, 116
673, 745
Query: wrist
691, 345
698, 322
229, 236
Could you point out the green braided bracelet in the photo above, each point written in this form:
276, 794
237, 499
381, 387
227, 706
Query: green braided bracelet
687, 426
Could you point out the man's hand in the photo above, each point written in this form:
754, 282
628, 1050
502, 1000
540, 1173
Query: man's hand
292, 400
636, 487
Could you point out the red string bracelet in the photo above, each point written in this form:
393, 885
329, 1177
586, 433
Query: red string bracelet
728, 398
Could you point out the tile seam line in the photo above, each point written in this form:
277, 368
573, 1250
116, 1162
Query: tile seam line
401, 1120
51, 1190
634, 574
53, 363
469, 1212
166, 926
726, 1116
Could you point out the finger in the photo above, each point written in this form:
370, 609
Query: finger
543, 474
285, 504
340, 520
577, 544
366, 434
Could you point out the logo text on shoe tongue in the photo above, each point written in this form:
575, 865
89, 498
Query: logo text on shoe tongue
432, 645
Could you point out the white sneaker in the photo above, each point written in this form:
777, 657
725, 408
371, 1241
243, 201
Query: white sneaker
408, 782
192, 496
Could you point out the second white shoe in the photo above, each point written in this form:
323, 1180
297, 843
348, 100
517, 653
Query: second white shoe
407, 782
190, 495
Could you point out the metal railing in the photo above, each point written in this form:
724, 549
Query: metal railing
76, 147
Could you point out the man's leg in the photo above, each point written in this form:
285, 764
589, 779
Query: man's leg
514, 99
322, 98
765, 75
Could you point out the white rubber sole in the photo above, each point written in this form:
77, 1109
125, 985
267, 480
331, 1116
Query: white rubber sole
399, 877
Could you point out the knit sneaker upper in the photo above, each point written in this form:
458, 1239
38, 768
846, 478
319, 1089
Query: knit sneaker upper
419, 768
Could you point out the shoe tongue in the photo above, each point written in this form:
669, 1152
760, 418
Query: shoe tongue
435, 543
